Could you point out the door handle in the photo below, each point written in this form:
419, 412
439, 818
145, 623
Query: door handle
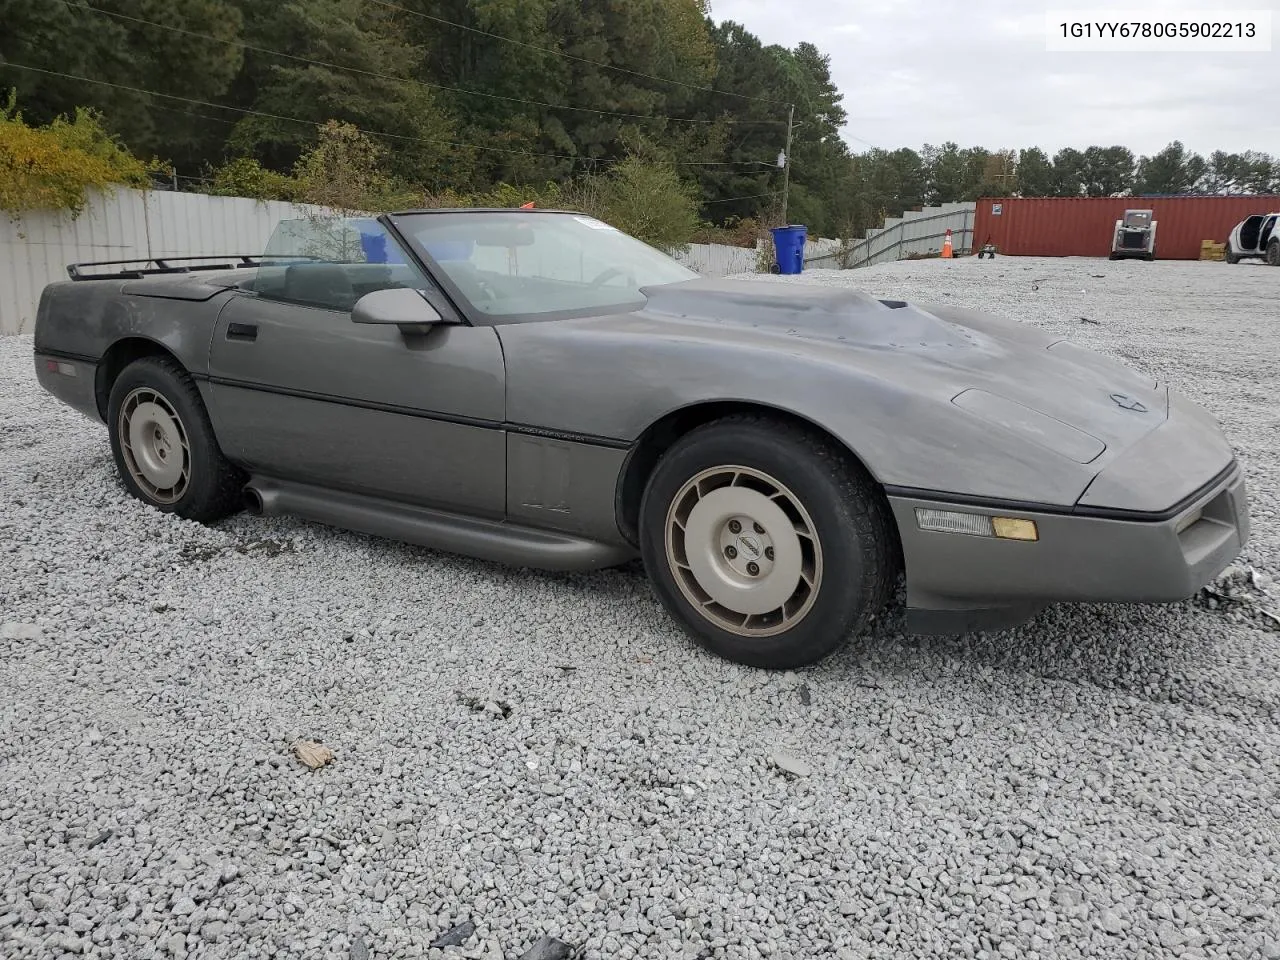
242, 331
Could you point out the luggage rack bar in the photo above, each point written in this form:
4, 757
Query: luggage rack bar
162, 265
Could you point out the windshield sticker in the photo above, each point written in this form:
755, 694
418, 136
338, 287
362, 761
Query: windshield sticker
594, 224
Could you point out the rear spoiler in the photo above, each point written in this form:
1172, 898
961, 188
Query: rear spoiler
147, 266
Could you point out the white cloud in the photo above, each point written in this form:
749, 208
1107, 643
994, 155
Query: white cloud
979, 74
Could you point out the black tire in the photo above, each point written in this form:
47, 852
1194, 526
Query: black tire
1114, 256
1148, 257
1231, 257
858, 545
1273, 253
213, 487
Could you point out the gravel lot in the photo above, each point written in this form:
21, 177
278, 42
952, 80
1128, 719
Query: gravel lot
546, 754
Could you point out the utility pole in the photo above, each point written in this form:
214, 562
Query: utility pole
786, 165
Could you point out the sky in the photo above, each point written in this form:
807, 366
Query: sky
978, 72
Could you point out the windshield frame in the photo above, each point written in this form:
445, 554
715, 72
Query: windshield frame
395, 222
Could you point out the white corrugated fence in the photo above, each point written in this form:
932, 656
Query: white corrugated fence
36, 249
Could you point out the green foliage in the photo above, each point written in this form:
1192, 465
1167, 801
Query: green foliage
343, 171
649, 201
733, 232
461, 112
644, 198
364, 41
246, 177
1248, 172
1172, 170
85, 40
54, 166
1108, 171
1035, 173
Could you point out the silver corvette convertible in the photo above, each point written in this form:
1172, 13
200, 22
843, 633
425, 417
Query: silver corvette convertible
538, 388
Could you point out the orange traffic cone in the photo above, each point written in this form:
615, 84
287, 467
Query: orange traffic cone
947, 252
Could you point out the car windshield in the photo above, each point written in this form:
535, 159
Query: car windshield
530, 265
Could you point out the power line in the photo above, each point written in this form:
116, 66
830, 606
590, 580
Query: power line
276, 116
753, 196
372, 133
460, 90
187, 113
860, 140
374, 74
569, 56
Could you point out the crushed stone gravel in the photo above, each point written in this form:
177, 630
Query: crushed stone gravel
546, 756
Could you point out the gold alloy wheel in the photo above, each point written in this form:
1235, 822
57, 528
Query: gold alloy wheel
744, 551
154, 444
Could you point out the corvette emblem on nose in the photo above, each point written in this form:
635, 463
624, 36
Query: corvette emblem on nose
1127, 402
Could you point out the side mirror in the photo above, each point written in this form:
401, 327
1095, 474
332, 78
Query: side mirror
406, 308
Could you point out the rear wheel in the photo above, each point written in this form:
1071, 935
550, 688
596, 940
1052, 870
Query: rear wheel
163, 443
1231, 257
770, 546
1273, 253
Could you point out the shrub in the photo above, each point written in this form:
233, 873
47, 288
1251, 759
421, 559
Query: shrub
53, 167
642, 197
343, 171
245, 177
648, 200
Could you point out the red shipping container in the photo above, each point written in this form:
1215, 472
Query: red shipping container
1084, 226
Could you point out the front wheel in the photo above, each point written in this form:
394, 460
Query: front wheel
163, 443
1231, 257
769, 545
1273, 253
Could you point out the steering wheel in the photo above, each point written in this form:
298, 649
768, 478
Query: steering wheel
606, 275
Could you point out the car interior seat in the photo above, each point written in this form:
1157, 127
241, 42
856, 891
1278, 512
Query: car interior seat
321, 284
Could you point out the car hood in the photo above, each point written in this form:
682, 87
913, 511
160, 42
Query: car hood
1048, 390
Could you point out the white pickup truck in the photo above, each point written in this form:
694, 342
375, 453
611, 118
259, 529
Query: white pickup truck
1255, 236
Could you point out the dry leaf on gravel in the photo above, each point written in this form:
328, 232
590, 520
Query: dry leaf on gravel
314, 755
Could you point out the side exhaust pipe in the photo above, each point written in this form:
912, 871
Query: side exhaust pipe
253, 500
264, 498
261, 500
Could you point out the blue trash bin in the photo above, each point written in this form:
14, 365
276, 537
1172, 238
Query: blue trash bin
788, 243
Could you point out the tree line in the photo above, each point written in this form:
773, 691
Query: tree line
461, 98
906, 179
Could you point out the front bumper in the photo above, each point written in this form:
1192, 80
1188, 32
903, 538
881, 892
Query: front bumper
957, 582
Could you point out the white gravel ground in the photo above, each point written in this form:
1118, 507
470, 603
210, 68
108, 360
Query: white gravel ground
547, 754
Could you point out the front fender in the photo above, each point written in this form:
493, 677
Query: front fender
891, 408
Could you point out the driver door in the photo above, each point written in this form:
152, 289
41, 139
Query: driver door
303, 393
1247, 232
1266, 233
